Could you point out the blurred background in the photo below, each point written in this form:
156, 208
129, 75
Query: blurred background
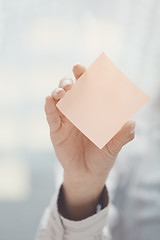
40, 41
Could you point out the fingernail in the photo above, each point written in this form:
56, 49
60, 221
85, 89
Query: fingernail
57, 90
66, 82
75, 67
132, 129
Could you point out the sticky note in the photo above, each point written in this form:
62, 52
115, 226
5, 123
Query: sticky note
101, 101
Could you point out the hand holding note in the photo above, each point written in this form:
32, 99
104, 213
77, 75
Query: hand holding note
85, 120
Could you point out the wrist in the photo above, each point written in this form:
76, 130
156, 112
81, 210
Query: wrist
76, 207
79, 199
86, 189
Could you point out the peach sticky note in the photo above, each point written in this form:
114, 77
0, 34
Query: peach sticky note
101, 101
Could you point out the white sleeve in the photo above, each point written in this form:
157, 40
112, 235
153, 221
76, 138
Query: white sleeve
54, 226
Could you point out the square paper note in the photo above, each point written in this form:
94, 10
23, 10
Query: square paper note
101, 101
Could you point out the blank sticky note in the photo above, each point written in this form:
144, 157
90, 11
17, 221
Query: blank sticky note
101, 101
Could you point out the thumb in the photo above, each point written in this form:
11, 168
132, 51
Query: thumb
125, 135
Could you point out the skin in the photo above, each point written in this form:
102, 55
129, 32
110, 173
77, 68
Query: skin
86, 167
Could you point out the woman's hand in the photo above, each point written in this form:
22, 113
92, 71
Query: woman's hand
86, 167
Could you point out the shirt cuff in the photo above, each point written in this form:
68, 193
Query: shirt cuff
51, 226
54, 226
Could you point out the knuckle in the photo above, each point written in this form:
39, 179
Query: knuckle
132, 136
114, 147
